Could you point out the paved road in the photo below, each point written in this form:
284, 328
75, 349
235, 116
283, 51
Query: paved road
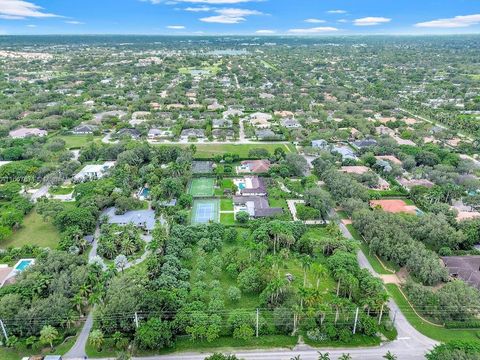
78, 349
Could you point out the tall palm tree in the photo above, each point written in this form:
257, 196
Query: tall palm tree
319, 271
306, 261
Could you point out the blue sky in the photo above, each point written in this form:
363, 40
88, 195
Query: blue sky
262, 17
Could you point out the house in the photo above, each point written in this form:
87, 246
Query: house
264, 134
223, 133
221, 123
93, 172
254, 166
466, 268
255, 206
251, 186
27, 132
5, 272
260, 120
384, 130
358, 170
401, 141
143, 219
192, 133
410, 183
364, 144
84, 129
389, 158
290, 123
158, 133
133, 133
320, 144
232, 112
345, 152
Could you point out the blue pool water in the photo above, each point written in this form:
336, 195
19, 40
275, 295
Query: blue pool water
241, 186
22, 265
145, 192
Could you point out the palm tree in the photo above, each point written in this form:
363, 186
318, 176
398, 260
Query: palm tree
345, 357
389, 356
306, 263
129, 246
319, 271
324, 356
96, 339
78, 303
48, 335
296, 358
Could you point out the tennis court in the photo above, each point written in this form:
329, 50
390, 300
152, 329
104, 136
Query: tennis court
204, 211
202, 187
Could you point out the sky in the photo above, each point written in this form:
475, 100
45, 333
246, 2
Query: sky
242, 17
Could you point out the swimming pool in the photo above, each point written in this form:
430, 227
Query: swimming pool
145, 192
241, 186
23, 264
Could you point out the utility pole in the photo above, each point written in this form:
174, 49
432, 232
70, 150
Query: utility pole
355, 323
3, 330
256, 327
136, 320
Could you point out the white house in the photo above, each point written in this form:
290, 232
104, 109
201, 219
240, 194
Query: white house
27, 132
93, 172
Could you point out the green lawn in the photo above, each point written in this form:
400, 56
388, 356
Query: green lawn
61, 190
434, 332
22, 351
77, 141
226, 205
207, 151
223, 344
34, 231
227, 218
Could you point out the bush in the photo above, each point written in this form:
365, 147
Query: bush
307, 212
473, 324
234, 294
242, 217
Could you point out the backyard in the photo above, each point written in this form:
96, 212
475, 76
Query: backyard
34, 231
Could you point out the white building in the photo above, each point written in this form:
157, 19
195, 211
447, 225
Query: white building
93, 172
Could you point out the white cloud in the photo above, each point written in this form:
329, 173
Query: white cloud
371, 21
315, 30
265, 32
336, 12
20, 9
230, 16
455, 22
212, 2
74, 22
176, 27
31, 26
343, 21
314, 21
199, 9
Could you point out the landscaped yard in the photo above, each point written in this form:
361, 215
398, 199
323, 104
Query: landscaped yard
34, 231
206, 151
226, 205
227, 218
77, 141
61, 190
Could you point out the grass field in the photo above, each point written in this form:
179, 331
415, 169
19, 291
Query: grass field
204, 211
202, 187
226, 205
34, 231
227, 218
433, 332
77, 141
61, 190
207, 151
